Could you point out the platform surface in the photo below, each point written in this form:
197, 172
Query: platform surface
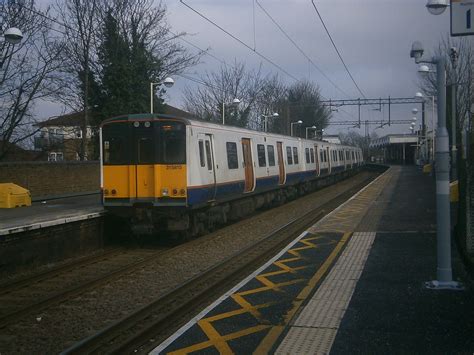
353, 283
47, 211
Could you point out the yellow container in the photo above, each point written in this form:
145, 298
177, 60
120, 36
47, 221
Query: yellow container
427, 168
12, 196
454, 191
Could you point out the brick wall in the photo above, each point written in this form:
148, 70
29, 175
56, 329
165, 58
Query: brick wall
52, 178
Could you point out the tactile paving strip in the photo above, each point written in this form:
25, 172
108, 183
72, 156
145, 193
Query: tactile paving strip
315, 329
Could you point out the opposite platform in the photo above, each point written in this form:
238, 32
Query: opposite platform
49, 213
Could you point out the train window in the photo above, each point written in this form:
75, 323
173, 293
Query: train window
208, 155
145, 150
325, 156
289, 157
201, 153
321, 155
232, 160
306, 152
262, 161
271, 155
312, 155
295, 155
116, 144
170, 142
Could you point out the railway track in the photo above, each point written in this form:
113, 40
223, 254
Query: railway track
34, 294
160, 318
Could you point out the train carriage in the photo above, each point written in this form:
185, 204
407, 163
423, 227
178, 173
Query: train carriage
168, 173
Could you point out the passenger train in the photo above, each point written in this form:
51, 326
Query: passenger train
166, 173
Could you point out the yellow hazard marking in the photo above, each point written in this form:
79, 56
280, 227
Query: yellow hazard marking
218, 341
273, 334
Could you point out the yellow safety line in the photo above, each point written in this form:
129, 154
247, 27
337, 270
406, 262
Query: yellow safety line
272, 336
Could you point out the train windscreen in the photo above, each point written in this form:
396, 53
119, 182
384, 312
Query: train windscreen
144, 142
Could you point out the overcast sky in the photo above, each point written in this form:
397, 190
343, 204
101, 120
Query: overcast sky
373, 36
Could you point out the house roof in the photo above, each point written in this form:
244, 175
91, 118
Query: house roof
75, 119
69, 120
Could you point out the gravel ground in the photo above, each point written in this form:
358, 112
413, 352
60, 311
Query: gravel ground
61, 326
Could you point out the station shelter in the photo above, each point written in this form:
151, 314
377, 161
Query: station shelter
395, 149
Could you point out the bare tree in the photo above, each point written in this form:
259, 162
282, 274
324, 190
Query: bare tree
304, 103
214, 97
28, 71
82, 19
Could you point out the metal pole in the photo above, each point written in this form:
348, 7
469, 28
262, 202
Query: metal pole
223, 112
423, 133
266, 123
151, 97
291, 129
433, 129
454, 172
443, 208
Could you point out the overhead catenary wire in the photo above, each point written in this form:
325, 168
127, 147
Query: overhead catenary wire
337, 50
241, 42
299, 48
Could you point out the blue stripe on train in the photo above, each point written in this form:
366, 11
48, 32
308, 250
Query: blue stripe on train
202, 195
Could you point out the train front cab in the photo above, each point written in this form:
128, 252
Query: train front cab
143, 161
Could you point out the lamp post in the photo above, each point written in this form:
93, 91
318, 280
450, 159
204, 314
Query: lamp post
168, 82
308, 128
443, 208
454, 58
235, 102
275, 114
291, 126
322, 132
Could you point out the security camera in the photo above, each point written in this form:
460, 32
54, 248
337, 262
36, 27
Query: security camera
168, 82
13, 35
416, 51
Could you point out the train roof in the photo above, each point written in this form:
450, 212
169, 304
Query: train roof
201, 123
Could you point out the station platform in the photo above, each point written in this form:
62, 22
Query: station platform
50, 213
352, 283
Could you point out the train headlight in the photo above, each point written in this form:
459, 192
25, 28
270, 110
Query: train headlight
164, 192
106, 192
182, 192
175, 192
114, 192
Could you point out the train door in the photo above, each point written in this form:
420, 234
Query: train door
143, 142
248, 165
316, 156
207, 164
329, 159
281, 164
344, 157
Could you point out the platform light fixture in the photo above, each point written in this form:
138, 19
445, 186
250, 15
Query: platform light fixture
235, 102
292, 124
274, 114
168, 82
436, 7
308, 128
13, 35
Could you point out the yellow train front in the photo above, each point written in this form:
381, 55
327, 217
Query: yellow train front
144, 167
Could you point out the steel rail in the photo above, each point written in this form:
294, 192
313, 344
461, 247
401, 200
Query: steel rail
76, 290
131, 332
41, 276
